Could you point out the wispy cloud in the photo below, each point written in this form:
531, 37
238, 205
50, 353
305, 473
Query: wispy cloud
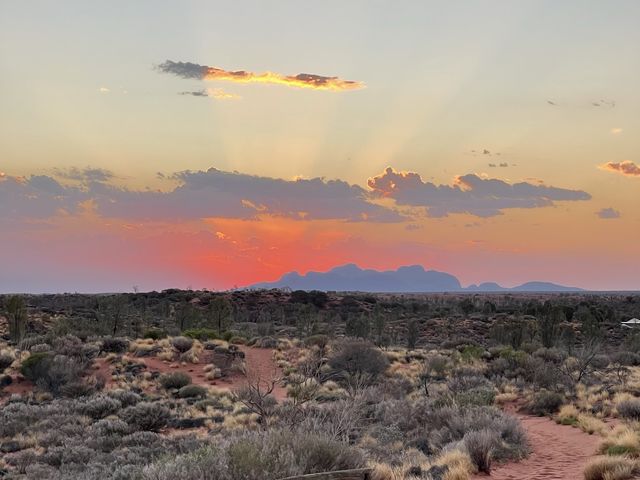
626, 167
195, 71
482, 197
87, 174
216, 93
604, 103
608, 213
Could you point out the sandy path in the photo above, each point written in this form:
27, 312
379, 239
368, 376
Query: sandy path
559, 452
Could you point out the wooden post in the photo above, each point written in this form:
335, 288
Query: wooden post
357, 474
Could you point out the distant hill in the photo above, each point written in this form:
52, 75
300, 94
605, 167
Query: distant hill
413, 278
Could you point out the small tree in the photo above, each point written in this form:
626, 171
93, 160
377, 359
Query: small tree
379, 323
358, 326
257, 393
220, 313
17, 316
413, 334
549, 326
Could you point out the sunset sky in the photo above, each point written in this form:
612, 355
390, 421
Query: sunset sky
212, 144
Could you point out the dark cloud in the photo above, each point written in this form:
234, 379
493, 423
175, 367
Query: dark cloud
214, 193
197, 93
199, 194
191, 71
37, 197
608, 213
469, 194
625, 168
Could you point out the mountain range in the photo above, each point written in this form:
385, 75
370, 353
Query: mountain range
407, 279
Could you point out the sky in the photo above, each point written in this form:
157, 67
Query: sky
217, 144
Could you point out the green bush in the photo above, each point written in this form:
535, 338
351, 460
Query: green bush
155, 334
471, 352
35, 366
173, 380
201, 334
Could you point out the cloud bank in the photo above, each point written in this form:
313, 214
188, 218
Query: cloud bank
193, 71
469, 194
214, 193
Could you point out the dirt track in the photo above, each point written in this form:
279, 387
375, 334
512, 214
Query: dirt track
559, 452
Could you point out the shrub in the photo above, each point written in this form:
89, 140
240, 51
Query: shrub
629, 409
201, 334
625, 358
115, 345
155, 334
35, 366
146, 416
238, 340
477, 396
610, 468
260, 455
480, 446
544, 402
5, 362
125, 397
320, 341
173, 380
471, 352
182, 344
192, 391
357, 357
101, 407
266, 342
58, 374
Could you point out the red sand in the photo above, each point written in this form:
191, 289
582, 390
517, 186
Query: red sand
559, 452
19, 385
259, 361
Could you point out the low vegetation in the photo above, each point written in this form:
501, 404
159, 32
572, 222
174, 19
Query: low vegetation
254, 385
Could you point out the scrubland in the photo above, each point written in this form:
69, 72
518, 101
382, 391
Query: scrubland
268, 385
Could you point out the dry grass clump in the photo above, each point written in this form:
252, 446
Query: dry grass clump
568, 415
591, 425
622, 440
610, 468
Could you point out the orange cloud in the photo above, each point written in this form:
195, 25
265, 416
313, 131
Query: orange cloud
189, 70
625, 168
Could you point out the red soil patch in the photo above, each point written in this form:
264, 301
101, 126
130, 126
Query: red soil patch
20, 385
558, 452
259, 362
